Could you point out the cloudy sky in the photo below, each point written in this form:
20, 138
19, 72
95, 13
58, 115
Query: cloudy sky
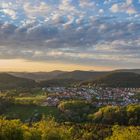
39, 35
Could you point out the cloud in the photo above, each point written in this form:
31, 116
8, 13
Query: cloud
115, 8
77, 32
129, 2
39, 9
101, 11
95, 43
124, 7
86, 4
9, 12
66, 5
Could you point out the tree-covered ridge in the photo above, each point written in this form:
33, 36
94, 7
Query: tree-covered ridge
58, 82
8, 81
79, 78
117, 79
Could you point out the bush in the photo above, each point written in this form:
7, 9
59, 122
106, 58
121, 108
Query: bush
125, 133
11, 130
129, 115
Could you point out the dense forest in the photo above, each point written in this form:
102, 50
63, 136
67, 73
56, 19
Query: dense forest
51, 130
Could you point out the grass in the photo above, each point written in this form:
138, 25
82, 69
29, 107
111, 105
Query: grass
25, 111
30, 99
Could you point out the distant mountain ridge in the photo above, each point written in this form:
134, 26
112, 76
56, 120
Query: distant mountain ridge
37, 76
81, 75
77, 77
77, 74
128, 70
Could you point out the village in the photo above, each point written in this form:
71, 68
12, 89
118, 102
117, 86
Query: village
97, 96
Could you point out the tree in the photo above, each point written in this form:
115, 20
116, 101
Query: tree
125, 133
133, 114
109, 115
76, 111
11, 130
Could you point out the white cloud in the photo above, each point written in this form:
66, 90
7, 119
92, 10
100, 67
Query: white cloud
131, 10
86, 4
129, 2
40, 9
69, 22
115, 8
9, 12
126, 7
5, 5
101, 11
66, 6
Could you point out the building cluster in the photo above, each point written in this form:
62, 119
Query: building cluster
98, 96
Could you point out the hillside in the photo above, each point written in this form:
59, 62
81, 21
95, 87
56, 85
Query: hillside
72, 78
43, 76
118, 79
137, 71
38, 76
58, 82
8, 81
76, 75
81, 75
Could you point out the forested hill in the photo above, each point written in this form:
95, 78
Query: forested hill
59, 78
77, 74
8, 81
117, 79
59, 82
137, 71
38, 76
53, 75
81, 75
72, 78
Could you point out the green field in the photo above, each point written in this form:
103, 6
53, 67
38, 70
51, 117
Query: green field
24, 112
30, 99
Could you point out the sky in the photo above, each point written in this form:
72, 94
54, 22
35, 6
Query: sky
45, 35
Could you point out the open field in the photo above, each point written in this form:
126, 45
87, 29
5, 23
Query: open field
30, 99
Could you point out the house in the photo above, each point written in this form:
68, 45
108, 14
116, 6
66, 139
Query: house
50, 102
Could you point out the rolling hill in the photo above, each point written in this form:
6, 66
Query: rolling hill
43, 76
37, 76
117, 79
8, 81
137, 71
72, 78
81, 75
59, 82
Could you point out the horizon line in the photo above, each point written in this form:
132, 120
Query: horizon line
71, 70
